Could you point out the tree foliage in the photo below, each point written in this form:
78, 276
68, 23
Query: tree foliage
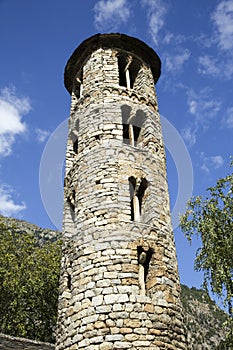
211, 219
29, 274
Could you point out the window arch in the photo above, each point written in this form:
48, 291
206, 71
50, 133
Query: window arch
137, 190
128, 68
78, 84
132, 125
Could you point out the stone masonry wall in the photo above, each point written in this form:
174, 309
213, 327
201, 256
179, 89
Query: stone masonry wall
119, 286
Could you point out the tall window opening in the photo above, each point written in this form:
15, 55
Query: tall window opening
128, 70
133, 71
141, 192
132, 187
126, 133
122, 62
69, 284
137, 191
144, 258
71, 202
75, 146
132, 124
136, 132
131, 134
69, 278
78, 88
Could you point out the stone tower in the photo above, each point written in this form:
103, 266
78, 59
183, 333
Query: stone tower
119, 286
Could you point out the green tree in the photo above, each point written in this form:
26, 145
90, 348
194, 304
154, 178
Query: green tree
211, 219
29, 274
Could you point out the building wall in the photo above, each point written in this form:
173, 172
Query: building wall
119, 286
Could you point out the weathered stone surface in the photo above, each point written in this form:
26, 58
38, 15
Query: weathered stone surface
119, 281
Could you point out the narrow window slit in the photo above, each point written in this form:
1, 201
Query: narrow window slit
69, 284
141, 192
78, 89
121, 67
132, 186
69, 278
71, 202
75, 146
131, 134
126, 133
136, 132
137, 194
144, 258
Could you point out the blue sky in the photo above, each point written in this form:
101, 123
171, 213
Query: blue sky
194, 40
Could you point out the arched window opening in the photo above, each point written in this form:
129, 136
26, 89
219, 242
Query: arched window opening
133, 71
141, 192
144, 258
78, 88
71, 201
132, 125
136, 133
126, 133
131, 134
128, 70
122, 62
137, 192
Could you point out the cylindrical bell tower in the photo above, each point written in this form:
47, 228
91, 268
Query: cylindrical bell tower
119, 286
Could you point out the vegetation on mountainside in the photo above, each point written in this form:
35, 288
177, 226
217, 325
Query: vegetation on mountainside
203, 319
29, 274
211, 219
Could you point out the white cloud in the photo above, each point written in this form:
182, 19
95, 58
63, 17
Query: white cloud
42, 135
156, 10
202, 105
12, 109
189, 135
110, 14
228, 120
223, 20
8, 207
175, 63
217, 161
168, 38
203, 108
212, 162
209, 65
221, 65
205, 168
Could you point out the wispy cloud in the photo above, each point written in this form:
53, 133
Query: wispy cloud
223, 21
189, 134
222, 38
228, 119
174, 63
8, 207
156, 12
110, 14
212, 162
209, 65
12, 110
42, 135
202, 105
203, 108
